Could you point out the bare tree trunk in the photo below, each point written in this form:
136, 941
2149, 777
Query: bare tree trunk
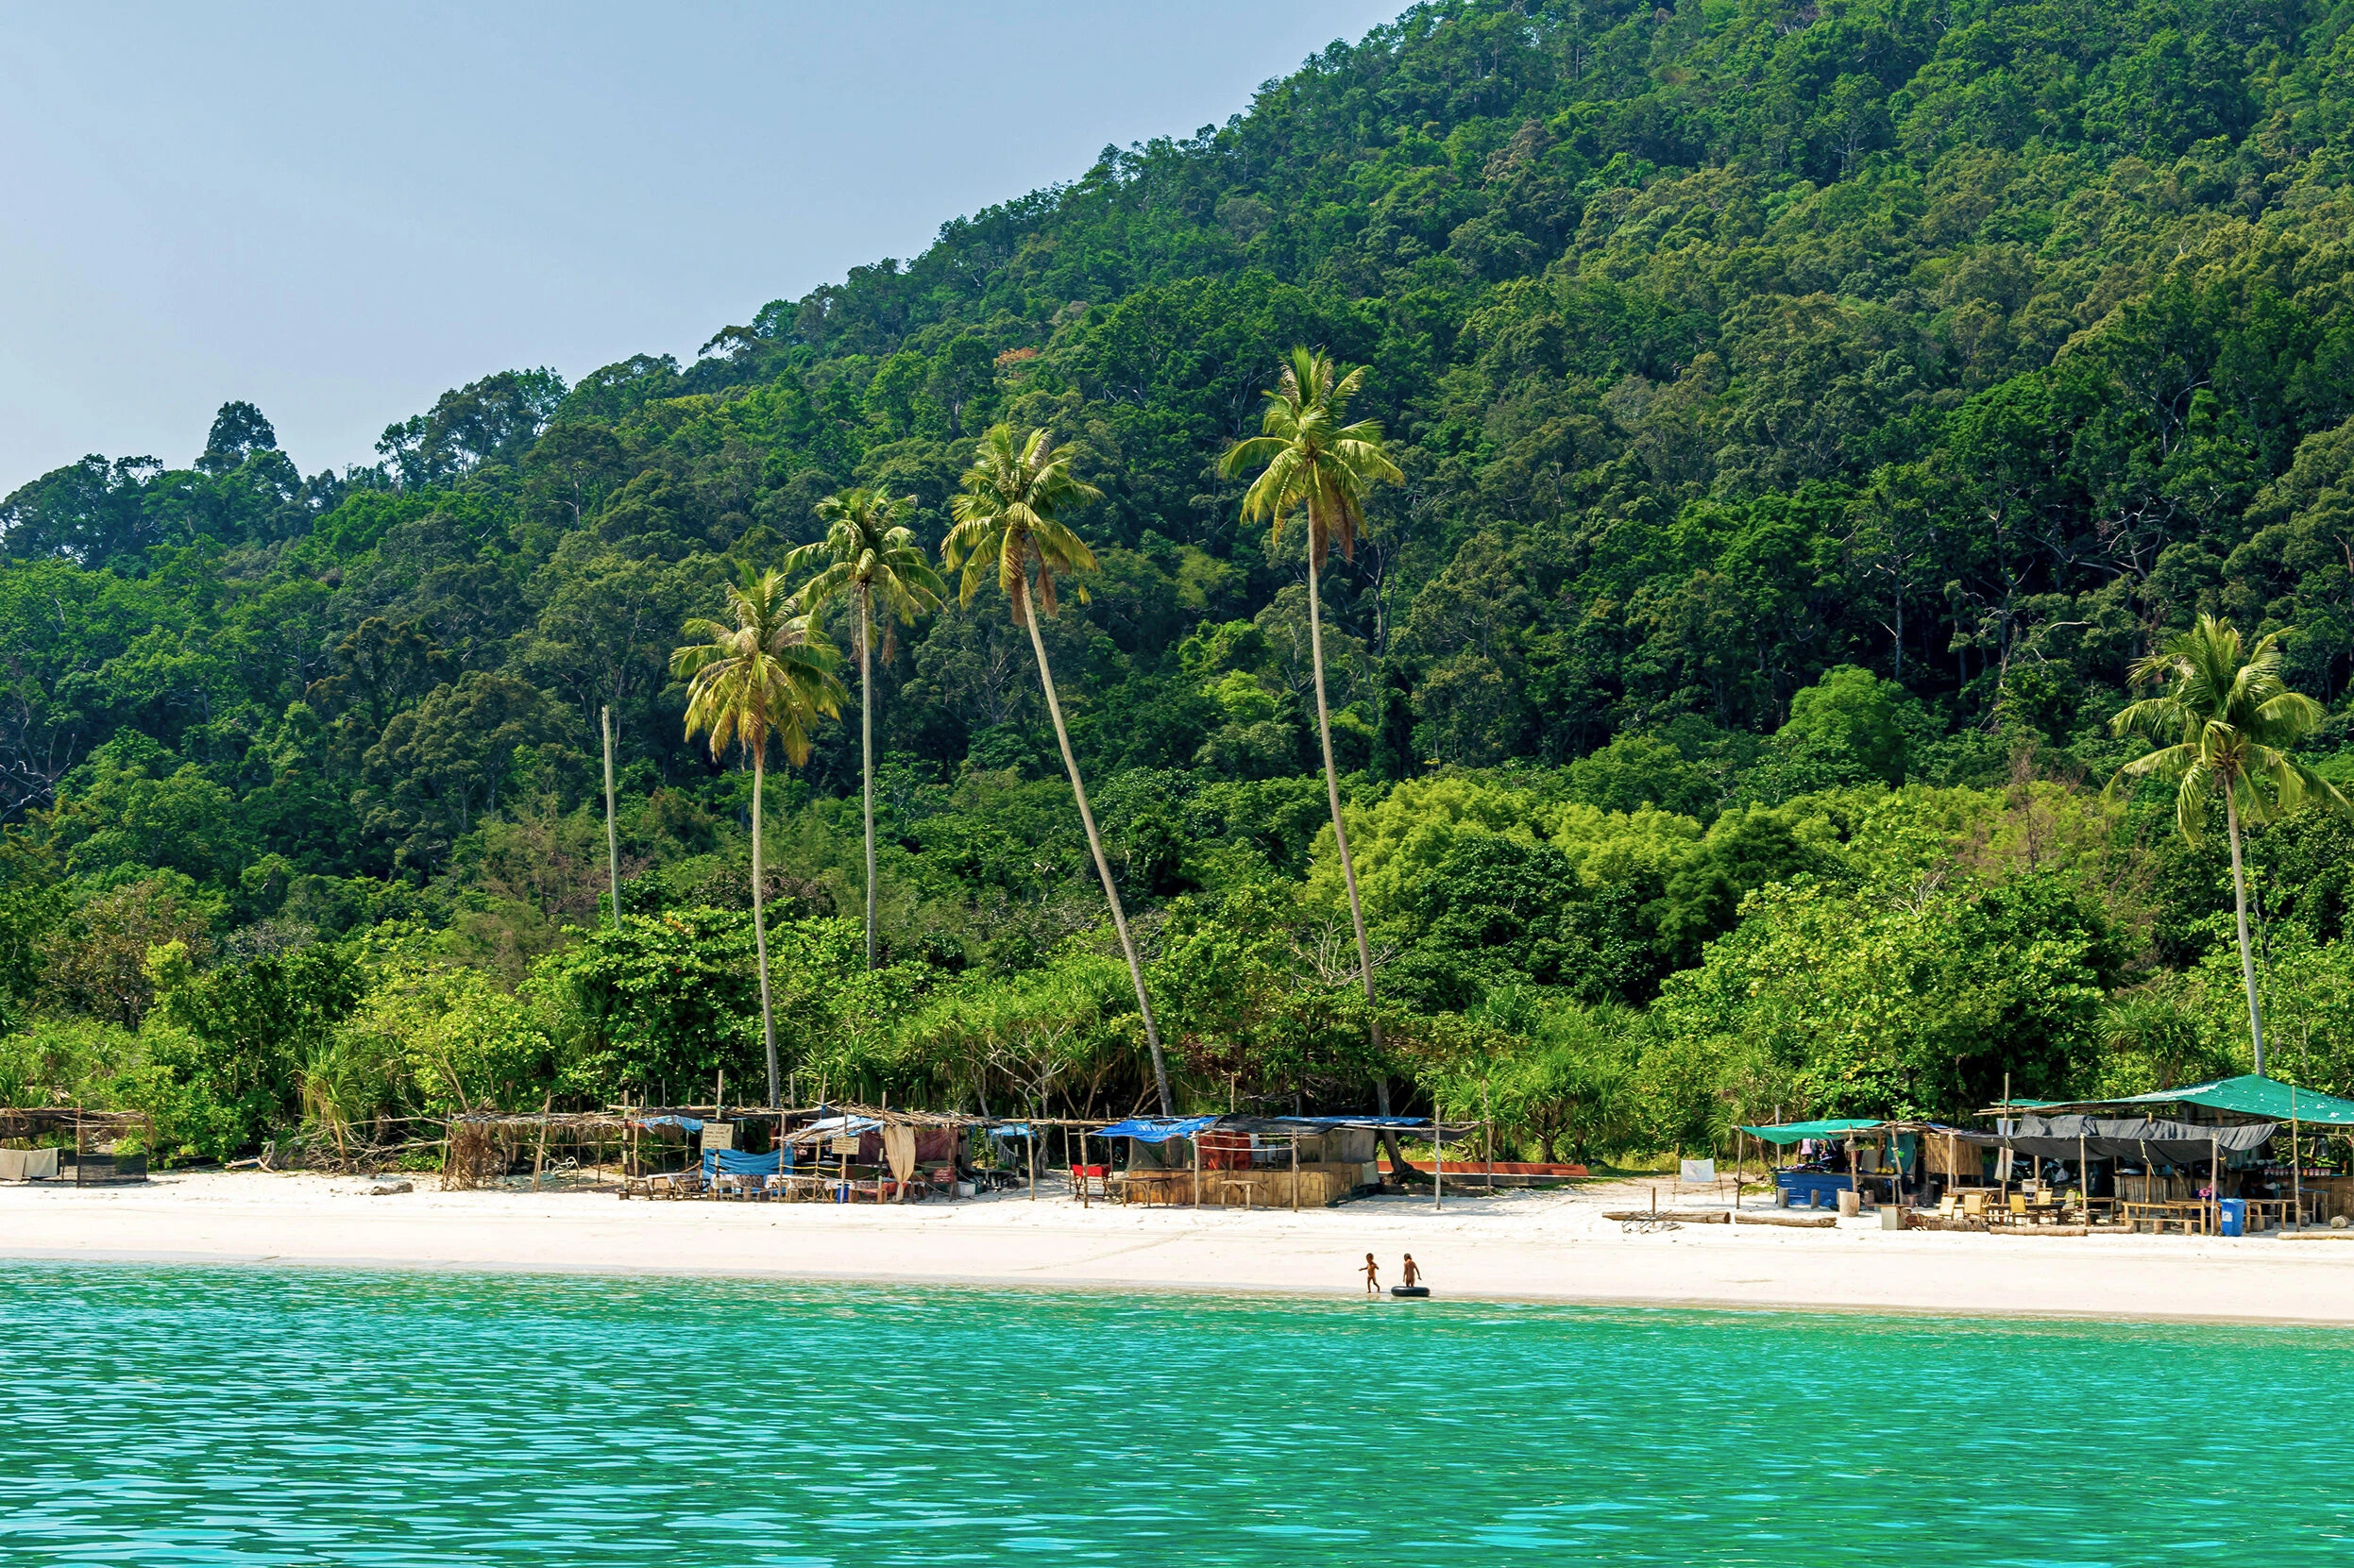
2248, 957
760, 924
1095, 844
612, 845
1340, 838
866, 745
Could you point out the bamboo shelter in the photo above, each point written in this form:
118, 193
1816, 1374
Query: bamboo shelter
1242, 1161
482, 1147
87, 1128
23, 1127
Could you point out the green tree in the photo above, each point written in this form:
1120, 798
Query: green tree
1309, 461
767, 673
1850, 716
248, 1034
1006, 514
95, 959
2223, 726
439, 766
869, 554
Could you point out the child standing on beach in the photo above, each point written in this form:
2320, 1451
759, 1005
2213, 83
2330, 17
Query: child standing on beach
1414, 1275
1373, 1277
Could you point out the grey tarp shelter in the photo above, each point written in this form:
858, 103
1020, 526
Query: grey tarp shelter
2069, 1138
2228, 1100
2220, 1108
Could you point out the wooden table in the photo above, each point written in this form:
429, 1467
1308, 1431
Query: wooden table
2275, 1213
2194, 1216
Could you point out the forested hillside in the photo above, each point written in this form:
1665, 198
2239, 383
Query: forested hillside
1807, 415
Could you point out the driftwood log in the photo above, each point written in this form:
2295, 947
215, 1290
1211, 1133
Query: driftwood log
1725, 1216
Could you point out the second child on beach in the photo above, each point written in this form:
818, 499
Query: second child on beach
1373, 1277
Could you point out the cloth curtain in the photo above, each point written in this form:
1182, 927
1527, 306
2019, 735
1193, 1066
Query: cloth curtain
27, 1165
899, 1150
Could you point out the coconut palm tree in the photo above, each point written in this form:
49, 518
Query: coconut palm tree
2223, 726
763, 672
1311, 461
1006, 516
869, 554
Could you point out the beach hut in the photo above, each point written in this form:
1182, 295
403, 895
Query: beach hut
1247, 1161
1816, 1184
859, 1154
2200, 1154
27, 1125
1881, 1161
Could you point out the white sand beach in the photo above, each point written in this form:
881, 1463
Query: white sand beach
1528, 1246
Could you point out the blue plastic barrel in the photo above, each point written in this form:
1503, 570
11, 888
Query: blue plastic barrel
2234, 1213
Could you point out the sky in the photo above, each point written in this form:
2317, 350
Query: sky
337, 212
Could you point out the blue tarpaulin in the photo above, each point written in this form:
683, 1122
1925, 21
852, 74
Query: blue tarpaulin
1148, 1129
688, 1123
836, 1126
735, 1162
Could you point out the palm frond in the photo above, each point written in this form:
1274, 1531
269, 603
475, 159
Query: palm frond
1309, 461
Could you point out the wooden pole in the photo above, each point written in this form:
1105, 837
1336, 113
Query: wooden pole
2005, 1172
1439, 1157
2214, 1183
612, 845
2297, 1166
540, 1158
1195, 1141
1487, 1135
1081, 1172
2084, 1175
1030, 1141
1294, 1173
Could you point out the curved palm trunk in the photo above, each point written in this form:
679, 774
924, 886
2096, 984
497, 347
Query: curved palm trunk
866, 748
2248, 956
760, 924
1095, 845
1340, 838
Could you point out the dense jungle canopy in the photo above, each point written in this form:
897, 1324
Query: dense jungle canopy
1808, 413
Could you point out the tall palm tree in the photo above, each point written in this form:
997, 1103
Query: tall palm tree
1005, 514
2223, 726
1311, 461
869, 554
763, 672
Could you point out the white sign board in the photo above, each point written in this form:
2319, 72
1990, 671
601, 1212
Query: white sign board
718, 1134
1700, 1171
842, 1146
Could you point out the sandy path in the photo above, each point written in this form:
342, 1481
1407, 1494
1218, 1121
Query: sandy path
1523, 1246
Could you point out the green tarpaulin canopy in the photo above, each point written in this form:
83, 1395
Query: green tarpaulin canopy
1792, 1132
2258, 1099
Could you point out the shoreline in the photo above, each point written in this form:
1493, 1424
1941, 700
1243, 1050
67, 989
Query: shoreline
1552, 1249
1180, 1288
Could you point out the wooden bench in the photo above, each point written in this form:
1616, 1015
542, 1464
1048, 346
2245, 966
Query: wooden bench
2191, 1217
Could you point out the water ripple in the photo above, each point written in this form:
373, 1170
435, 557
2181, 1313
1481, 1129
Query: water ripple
229, 1417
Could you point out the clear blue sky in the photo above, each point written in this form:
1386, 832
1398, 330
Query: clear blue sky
338, 211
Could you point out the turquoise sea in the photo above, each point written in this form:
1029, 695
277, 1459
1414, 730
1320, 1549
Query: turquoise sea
158, 1416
